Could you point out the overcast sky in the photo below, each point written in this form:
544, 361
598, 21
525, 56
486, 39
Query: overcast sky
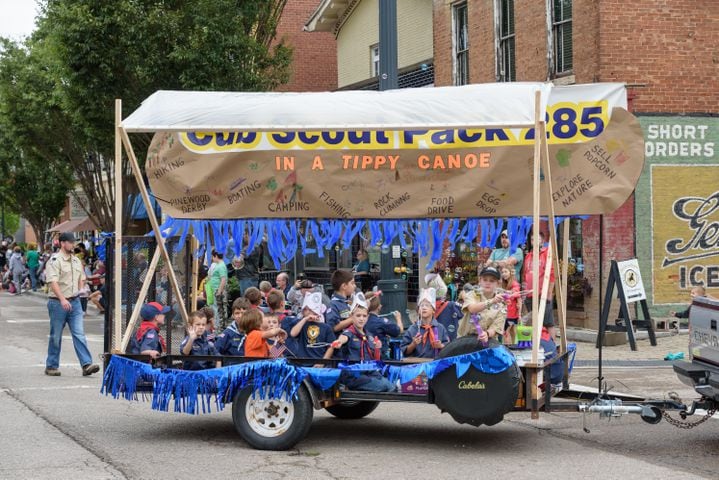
17, 18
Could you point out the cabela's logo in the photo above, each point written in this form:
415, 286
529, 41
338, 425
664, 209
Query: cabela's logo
702, 217
471, 385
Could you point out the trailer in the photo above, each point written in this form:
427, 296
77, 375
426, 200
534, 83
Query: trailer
309, 171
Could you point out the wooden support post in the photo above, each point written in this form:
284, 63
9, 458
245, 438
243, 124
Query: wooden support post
194, 245
564, 286
140, 300
117, 258
153, 221
536, 326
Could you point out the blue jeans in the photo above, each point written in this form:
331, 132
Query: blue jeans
33, 278
58, 319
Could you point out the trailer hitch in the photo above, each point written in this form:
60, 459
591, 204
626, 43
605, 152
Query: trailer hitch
651, 411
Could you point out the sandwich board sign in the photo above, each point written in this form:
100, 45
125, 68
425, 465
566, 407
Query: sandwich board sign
631, 279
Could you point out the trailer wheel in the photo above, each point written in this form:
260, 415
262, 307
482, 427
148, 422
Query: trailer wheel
352, 410
272, 424
476, 398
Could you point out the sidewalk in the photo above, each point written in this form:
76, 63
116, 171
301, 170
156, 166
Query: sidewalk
670, 344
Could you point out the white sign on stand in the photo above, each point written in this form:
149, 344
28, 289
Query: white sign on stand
631, 280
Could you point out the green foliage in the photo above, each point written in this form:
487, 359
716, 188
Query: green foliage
57, 90
32, 148
130, 48
12, 222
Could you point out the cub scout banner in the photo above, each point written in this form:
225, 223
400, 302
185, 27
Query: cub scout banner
596, 152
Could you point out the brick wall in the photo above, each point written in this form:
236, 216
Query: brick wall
442, 33
314, 58
672, 46
530, 26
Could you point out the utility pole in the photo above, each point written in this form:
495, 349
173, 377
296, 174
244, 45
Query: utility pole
387, 44
387, 81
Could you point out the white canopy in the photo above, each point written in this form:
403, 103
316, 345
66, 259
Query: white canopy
481, 105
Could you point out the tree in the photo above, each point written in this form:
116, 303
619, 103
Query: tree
33, 144
128, 49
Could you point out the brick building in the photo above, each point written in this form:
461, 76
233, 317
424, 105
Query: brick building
667, 52
314, 57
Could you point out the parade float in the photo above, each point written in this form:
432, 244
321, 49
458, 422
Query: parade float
422, 167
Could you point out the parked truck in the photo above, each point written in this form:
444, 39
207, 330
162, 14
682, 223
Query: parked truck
702, 371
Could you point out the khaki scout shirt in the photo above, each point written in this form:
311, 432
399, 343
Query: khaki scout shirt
493, 316
67, 271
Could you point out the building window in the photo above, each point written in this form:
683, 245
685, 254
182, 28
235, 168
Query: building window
460, 44
374, 60
506, 71
562, 36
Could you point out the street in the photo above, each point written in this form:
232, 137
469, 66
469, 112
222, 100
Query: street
62, 428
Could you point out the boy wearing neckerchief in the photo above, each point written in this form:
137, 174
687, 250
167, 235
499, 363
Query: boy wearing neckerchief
343, 284
147, 340
355, 345
488, 305
427, 337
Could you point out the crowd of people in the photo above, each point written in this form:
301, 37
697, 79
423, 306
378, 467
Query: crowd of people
23, 269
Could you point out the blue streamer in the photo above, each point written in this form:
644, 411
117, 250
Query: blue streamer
205, 391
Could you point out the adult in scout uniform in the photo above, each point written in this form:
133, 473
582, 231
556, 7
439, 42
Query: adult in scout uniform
65, 277
447, 312
485, 306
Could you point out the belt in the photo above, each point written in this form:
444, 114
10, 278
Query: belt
69, 299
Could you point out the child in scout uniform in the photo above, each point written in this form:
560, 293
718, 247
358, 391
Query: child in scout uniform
276, 305
447, 312
356, 345
427, 337
487, 306
147, 340
313, 336
382, 327
232, 340
343, 284
196, 343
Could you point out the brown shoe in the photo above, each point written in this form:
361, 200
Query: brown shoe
90, 369
52, 372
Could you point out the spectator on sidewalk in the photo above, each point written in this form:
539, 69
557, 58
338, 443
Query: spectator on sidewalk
65, 277
505, 257
17, 269
32, 260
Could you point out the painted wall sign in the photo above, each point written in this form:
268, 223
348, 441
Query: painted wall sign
685, 215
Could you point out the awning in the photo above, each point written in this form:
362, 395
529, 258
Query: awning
486, 105
78, 225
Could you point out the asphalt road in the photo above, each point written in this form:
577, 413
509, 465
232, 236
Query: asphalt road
63, 428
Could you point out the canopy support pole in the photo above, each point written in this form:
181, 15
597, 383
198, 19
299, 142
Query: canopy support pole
140, 300
117, 257
155, 226
194, 246
536, 328
561, 286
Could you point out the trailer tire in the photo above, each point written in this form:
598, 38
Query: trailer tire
350, 410
493, 397
272, 424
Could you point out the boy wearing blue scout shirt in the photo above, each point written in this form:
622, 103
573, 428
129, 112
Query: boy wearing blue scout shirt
382, 327
343, 284
355, 345
196, 343
427, 337
232, 340
313, 336
147, 340
447, 312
